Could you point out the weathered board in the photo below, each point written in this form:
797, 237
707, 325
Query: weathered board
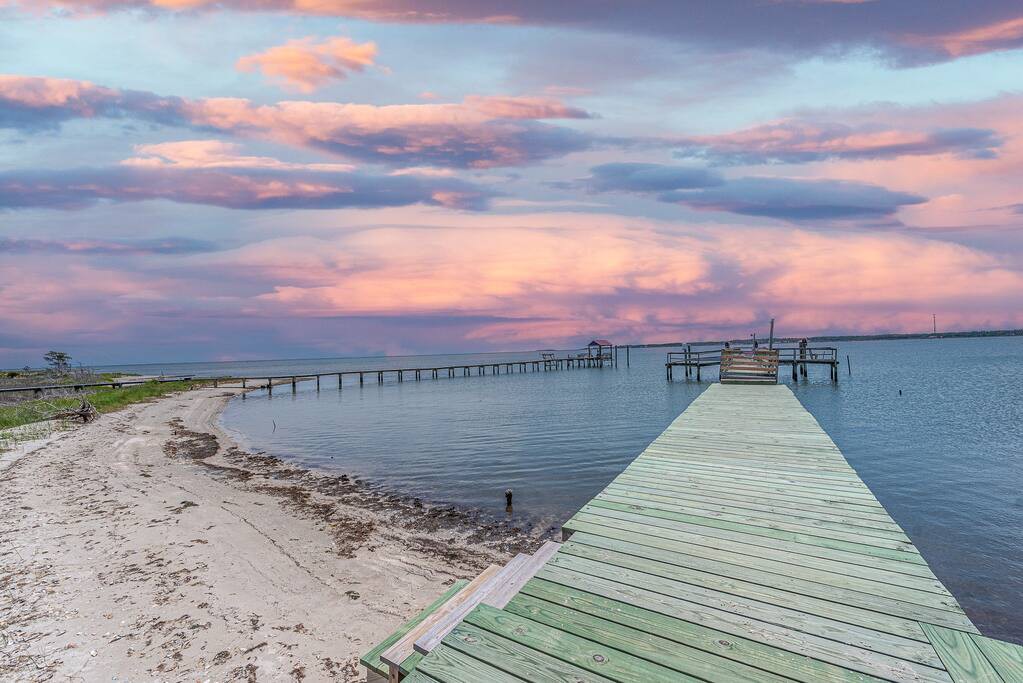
739, 546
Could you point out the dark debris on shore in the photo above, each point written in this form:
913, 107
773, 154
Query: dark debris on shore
426, 528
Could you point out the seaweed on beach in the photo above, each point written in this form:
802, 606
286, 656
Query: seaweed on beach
460, 536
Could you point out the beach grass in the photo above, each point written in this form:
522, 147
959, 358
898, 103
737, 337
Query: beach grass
105, 399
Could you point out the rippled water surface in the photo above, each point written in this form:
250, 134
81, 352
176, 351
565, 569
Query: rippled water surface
945, 457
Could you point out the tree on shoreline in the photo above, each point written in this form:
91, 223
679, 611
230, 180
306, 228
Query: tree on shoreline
59, 362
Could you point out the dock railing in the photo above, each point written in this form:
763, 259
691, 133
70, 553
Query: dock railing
797, 357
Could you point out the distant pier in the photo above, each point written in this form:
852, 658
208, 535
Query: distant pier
599, 354
546, 363
752, 366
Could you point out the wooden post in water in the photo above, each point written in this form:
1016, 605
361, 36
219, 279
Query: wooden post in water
317, 382
294, 385
627, 359
360, 379
269, 387
340, 380
243, 382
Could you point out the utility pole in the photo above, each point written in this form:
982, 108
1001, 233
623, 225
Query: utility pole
770, 343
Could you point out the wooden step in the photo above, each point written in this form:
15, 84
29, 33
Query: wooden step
404, 648
377, 670
496, 593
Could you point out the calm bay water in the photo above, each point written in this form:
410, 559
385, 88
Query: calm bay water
945, 457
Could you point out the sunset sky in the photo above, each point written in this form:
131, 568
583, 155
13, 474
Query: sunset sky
238, 179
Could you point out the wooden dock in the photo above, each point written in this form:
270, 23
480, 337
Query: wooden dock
739, 546
798, 359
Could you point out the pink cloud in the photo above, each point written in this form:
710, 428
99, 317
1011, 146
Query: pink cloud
800, 140
214, 154
1000, 35
521, 281
306, 64
200, 181
966, 190
479, 132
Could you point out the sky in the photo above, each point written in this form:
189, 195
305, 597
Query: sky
248, 179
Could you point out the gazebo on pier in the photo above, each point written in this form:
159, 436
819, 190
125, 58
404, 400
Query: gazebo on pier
599, 349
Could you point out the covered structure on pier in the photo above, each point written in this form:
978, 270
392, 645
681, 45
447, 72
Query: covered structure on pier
599, 348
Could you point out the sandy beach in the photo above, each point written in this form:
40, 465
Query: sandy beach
146, 546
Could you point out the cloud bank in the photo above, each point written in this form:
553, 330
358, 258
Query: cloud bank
235, 188
479, 132
506, 282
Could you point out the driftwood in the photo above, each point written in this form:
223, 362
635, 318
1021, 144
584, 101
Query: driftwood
86, 412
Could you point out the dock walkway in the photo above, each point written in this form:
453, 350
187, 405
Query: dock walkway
739, 546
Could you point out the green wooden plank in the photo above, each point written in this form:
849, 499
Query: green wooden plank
825, 468
794, 511
710, 535
449, 665
890, 600
754, 484
774, 494
826, 529
371, 660
1006, 658
889, 657
870, 515
729, 646
582, 558
819, 465
961, 656
596, 657
903, 552
419, 677
823, 570
779, 496
667, 653
507, 655
758, 477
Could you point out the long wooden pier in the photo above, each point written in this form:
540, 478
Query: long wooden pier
739, 546
403, 374
547, 362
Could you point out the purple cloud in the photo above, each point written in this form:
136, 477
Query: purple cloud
801, 141
165, 246
479, 132
639, 177
796, 199
234, 188
789, 199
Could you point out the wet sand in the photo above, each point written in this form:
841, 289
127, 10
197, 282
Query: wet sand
147, 546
